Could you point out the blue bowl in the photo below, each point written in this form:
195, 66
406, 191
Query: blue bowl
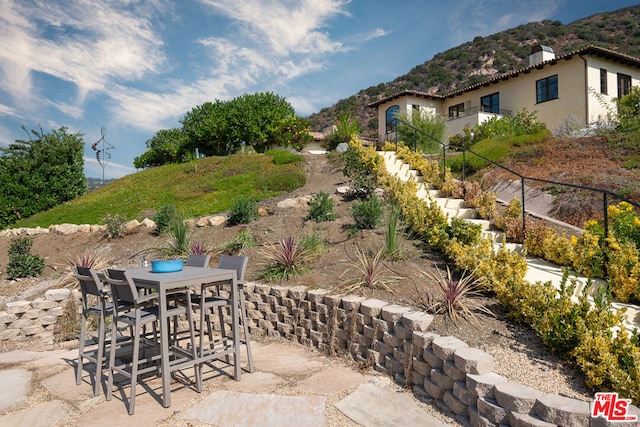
166, 265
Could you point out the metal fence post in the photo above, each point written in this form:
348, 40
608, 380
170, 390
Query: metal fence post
524, 221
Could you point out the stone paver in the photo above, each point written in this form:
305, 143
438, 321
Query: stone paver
14, 387
372, 406
229, 408
46, 415
332, 380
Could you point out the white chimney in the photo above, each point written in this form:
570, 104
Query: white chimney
540, 54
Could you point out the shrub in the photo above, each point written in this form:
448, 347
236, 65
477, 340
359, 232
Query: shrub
392, 237
321, 208
283, 157
367, 214
241, 241
115, 225
464, 232
179, 243
372, 272
312, 244
284, 260
164, 217
455, 296
243, 211
21, 262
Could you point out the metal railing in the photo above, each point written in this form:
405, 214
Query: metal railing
478, 109
606, 194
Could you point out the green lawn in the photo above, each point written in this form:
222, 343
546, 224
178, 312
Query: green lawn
205, 186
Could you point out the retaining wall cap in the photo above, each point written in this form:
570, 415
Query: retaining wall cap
57, 294
516, 397
297, 292
445, 347
524, 420
561, 410
416, 320
16, 307
351, 302
372, 307
393, 312
473, 360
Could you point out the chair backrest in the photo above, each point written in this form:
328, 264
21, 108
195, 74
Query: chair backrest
237, 263
90, 283
194, 260
122, 287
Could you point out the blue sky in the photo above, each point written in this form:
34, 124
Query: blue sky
135, 67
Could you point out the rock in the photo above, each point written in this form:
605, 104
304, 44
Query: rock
217, 220
130, 226
342, 147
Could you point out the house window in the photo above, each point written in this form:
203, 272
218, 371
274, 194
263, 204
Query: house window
456, 111
491, 103
390, 117
603, 81
624, 85
547, 89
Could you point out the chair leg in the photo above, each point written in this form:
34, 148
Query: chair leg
112, 359
245, 325
100, 355
223, 332
134, 370
83, 332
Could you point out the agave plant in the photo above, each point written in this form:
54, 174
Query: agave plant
454, 296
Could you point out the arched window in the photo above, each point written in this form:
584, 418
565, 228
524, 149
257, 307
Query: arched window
390, 116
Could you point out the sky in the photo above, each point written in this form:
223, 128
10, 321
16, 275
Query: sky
133, 67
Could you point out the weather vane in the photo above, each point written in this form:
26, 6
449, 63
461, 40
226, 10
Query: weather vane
102, 149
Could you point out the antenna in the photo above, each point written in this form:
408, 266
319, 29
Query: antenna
103, 150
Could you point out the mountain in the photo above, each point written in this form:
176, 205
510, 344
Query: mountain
488, 57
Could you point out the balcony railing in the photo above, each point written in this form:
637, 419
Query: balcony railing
478, 109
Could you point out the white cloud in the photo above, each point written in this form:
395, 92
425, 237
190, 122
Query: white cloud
5, 110
285, 26
89, 44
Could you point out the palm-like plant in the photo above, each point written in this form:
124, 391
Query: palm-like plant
285, 259
372, 272
454, 297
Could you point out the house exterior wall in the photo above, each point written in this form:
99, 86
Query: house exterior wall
598, 109
405, 103
519, 92
579, 96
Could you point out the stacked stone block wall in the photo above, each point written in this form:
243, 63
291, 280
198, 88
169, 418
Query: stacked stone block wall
389, 338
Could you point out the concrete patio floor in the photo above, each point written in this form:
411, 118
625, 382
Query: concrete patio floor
291, 386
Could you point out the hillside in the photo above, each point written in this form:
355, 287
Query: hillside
487, 57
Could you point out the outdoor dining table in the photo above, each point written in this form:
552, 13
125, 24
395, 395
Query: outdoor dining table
187, 277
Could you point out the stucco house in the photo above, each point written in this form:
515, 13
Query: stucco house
571, 85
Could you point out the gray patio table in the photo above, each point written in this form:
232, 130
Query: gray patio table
191, 277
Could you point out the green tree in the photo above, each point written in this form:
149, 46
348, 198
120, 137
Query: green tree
629, 110
431, 129
346, 127
208, 127
40, 173
166, 146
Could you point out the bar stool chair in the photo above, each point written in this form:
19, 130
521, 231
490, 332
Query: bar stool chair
209, 300
145, 312
92, 287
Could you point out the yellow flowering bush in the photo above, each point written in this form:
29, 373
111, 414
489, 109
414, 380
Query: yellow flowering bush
623, 269
588, 257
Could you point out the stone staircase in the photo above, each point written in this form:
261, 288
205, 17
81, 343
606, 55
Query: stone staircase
538, 270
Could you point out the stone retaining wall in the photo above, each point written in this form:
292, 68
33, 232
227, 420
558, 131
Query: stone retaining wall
390, 338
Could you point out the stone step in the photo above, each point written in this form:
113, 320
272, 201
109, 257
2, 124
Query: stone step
493, 236
483, 223
464, 213
538, 270
511, 247
450, 203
